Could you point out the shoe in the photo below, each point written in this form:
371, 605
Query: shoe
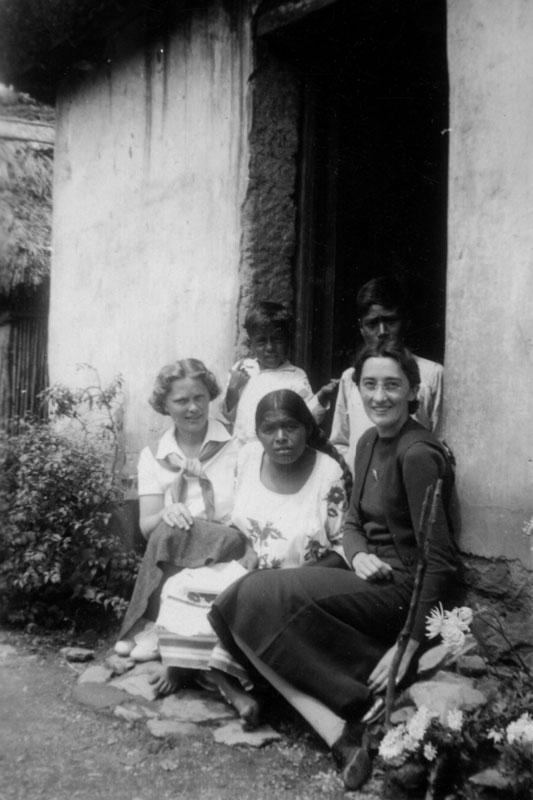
124, 647
142, 652
356, 769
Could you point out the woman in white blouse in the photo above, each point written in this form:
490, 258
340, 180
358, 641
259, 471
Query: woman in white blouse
186, 490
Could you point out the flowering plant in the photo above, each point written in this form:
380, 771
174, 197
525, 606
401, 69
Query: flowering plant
452, 626
422, 736
452, 751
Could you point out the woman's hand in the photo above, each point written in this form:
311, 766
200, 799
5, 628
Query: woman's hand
177, 516
249, 560
371, 568
378, 679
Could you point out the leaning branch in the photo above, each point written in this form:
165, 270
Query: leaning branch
425, 530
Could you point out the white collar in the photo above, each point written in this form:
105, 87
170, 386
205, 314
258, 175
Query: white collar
216, 432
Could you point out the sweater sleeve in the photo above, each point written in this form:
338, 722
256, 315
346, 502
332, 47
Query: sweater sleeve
422, 465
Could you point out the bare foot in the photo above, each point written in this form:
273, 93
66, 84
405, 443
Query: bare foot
168, 680
243, 702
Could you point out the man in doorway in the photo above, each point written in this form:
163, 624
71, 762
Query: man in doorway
383, 317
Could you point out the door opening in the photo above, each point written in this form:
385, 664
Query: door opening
373, 170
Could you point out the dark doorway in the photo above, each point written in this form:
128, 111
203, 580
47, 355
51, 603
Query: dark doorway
373, 170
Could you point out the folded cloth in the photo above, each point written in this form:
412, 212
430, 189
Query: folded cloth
203, 544
186, 597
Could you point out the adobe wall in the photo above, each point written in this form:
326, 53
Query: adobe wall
150, 178
489, 345
269, 211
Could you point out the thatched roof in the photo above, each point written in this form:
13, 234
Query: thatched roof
26, 157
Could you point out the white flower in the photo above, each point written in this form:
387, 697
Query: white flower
451, 625
496, 736
434, 621
430, 752
391, 747
455, 719
418, 724
453, 637
521, 730
465, 616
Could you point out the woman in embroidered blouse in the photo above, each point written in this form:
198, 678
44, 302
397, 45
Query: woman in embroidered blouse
186, 490
289, 502
329, 637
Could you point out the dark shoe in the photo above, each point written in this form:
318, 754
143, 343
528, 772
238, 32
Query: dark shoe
357, 768
350, 738
351, 756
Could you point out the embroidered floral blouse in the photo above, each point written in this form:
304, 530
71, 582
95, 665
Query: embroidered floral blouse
289, 530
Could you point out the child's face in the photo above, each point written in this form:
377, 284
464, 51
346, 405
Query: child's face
269, 345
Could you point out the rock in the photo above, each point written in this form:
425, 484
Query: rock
95, 674
7, 650
492, 779
137, 685
99, 695
472, 665
134, 711
118, 664
233, 733
445, 692
163, 728
80, 654
433, 659
193, 706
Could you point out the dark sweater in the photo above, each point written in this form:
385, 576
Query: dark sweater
416, 460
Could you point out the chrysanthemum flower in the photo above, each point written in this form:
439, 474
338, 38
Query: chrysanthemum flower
521, 730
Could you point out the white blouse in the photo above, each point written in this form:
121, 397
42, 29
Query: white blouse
155, 479
288, 530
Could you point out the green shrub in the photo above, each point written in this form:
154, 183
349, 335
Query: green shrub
59, 560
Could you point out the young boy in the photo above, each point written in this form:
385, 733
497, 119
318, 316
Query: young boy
383, 317
269, 328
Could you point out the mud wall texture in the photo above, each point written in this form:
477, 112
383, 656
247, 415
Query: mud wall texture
269, 212
150, 180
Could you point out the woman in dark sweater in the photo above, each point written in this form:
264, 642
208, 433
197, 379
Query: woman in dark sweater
330, 634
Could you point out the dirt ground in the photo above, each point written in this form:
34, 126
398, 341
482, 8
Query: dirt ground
53, 747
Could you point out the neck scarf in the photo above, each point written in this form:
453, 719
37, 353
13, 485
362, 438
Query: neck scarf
192, 468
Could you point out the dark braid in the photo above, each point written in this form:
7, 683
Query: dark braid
319, 441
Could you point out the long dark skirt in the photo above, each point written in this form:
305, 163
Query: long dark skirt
321, 629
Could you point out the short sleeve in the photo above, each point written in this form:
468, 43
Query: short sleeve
147, 471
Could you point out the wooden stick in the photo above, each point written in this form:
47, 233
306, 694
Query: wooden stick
434, 491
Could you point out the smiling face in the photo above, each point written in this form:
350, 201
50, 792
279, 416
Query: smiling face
269, 345
283, 437
381, 324
385, 392
188, 404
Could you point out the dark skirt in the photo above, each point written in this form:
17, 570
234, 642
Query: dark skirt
321, 629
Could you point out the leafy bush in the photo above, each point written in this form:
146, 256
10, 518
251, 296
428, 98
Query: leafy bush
59, 559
